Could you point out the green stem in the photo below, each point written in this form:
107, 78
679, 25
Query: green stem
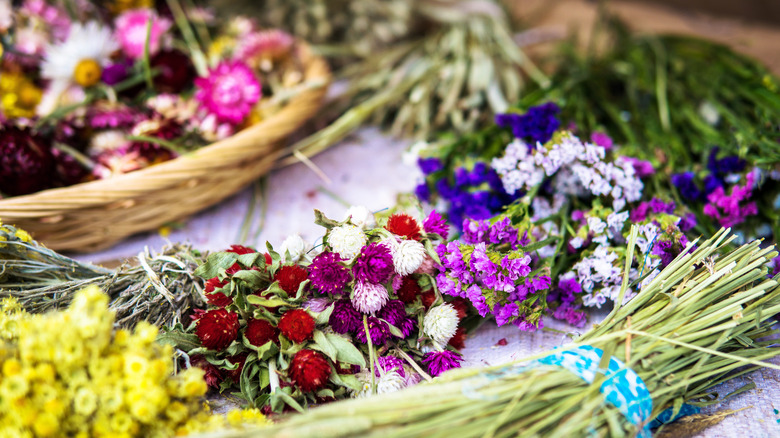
371, 357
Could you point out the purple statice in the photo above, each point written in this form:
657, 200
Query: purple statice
528, 326
374, 264
726, 165
423, 192
502, 232
429, 165
477, 298
441, 361
480, 262
668, 249
566, 290
435, 223
328, 275
537, 125
516, 266
687, 187
687, 222
571, 314
656, 205
639, 213
378, 329
733, 209
475, 231
393, 312
344, 318
659, 206
387, 364
505, 313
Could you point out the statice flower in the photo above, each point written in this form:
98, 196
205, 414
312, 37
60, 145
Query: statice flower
347, 240
327, 274
429, 165
440, 323
733, 209
686, 186
441, 361
368, 297
228, 91
537, 125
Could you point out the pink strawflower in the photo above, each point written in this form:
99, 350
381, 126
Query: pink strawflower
264, 44
229, 91
131, 31
55, 18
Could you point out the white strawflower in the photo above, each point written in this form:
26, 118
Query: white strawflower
295, 246
407, 256
347, 240
440, 323
369, 298
87, 49
360, 216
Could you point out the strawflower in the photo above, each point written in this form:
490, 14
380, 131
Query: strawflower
228, 91
133, 31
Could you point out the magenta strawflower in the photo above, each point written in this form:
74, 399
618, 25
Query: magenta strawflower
435, 223
229, 91
441, 361
374, 264
264, 44
131, 32
327, 274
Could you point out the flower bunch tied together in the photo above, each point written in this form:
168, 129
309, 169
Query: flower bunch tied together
101, 91
357, 316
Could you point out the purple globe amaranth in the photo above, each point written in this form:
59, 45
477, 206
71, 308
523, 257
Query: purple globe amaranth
344, 318
388, 364
374, 264
441, 361
327, 274
378, 330
394, 312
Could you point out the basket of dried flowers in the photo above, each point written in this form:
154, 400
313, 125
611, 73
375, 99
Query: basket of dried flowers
114, 127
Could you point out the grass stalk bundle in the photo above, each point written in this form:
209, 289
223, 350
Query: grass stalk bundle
701, 321
161, 289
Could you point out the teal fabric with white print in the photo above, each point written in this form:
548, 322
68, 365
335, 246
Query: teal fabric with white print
623, 388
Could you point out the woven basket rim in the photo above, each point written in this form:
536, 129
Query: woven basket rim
313, 70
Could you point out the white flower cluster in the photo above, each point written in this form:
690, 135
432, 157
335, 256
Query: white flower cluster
579, 167
360, 216
408, 255
347, 240
441, 323
296, 248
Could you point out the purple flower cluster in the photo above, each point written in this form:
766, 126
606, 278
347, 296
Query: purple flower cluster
719, 171
344, 318
374, 264
435, 223
327, 274
537, 125
655, 205
494, 282
441, 361
668, 249
388, 364
733, 209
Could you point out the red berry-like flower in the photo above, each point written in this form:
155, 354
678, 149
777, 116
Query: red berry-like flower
297, 325
175, 71
291, 277
212, 375
309, 370
240, 249
461, 306
239, 359
402, 224
260, 331
218, 299
409, 290
216, 329
458, 340
428, 298
26, 162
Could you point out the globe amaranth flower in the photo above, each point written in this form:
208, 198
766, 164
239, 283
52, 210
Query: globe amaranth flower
260, 331
386, 364
295, 246
218, 299
440, 323
368, 297
435, 223
409, 290
346, 240
327, 274
402, 224
297, 325
408, 255
393, 312
441, 361
26, 162
309, 370
344, 318
378, 330
175, 71
360, 216
133, 30
216, 329
290, 278
228, 92
212, 374
374, 265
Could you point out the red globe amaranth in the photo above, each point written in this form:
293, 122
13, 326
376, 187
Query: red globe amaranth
309, 370
428, 298
458, 340
409, 290
175, 71
218, 299
297, 325
240, 249
212, 376
26, 162
402, 224
216, 329
240, 359
291, 277
260, 331
461, 306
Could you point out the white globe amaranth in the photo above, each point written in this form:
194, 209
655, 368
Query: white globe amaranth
408, 255
369, 298
360, 216
441, 323
347, 240
295, 246
390, 382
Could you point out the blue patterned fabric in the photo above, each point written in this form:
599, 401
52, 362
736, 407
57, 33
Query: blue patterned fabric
622, 387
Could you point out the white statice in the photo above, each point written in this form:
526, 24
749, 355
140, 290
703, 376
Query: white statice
408, 256
368, 298
85, 42
294, 248
517, 168
347, 240
440, 324
360, 216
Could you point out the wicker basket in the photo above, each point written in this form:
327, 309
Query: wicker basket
96, 215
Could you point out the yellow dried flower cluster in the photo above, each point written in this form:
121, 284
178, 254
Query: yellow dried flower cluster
239, 419
68, 374
18, 95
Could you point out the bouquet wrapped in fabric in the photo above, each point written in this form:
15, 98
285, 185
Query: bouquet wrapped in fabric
358, 315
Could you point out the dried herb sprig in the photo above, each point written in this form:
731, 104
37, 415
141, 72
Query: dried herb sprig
699, 323
161, 289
